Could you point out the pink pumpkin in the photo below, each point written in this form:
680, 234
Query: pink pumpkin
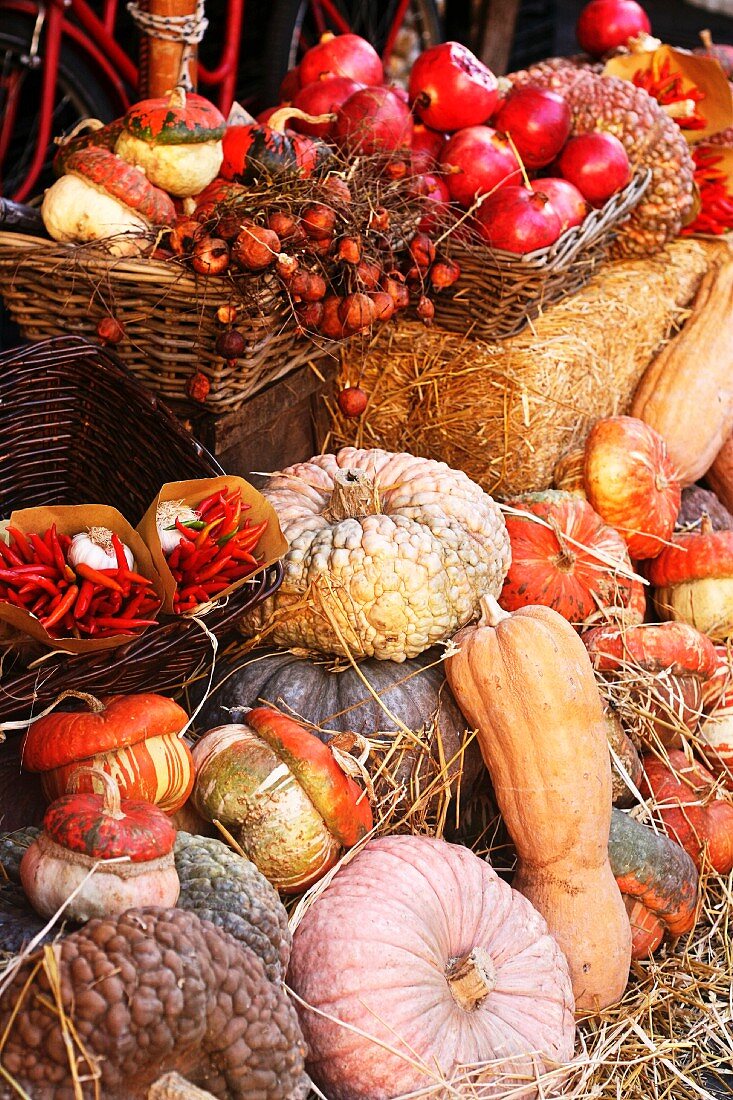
438, 963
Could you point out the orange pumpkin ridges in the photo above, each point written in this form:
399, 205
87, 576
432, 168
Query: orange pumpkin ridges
631, 482
59, 739
126, 184
647, 930
674, 647
696, 821
339, 800
566, 562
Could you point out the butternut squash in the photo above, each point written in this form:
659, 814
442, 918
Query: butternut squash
720, 475
525, 682
686, 393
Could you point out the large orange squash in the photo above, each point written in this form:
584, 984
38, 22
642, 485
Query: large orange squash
526, 683
134, 738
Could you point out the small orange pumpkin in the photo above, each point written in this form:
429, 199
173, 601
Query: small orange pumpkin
133, 738
631, 483
693, 580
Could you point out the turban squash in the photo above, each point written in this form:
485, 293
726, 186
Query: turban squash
693, 581
389, 554
422, 961
134, 738
176, 141
525, 682
282, 793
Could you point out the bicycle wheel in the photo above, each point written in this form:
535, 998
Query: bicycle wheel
297, 24
79, 94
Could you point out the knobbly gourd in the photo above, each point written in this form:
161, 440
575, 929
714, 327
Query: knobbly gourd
150, 991
389, 554
135, 738
176, 140
433, 963
525, 682
80, 833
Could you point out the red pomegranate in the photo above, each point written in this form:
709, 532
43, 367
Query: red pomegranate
322, 97
450, 88
475, 161
341, 55
604, 25
519, 220
569, 204
373, 120
289, 86
597, 164
427, 145
538, 122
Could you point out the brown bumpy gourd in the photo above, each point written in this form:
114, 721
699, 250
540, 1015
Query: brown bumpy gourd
525, 682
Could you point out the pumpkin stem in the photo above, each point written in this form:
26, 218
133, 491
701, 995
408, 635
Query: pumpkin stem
278, 120
491, 613
565, 560
177, 100
471, 978
95, 705
354, 496
706, 524
112, 805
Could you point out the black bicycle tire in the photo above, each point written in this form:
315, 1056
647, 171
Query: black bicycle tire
286, 21
76, 78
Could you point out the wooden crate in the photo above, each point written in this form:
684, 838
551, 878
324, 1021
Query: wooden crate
284, 423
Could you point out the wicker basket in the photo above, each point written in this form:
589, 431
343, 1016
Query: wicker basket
499, 292
169, 316
76, 428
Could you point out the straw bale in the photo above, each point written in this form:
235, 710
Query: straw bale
505, 412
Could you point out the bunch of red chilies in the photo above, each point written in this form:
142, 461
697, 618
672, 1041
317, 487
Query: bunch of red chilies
215, 551
73, 601
716, 195
668, 88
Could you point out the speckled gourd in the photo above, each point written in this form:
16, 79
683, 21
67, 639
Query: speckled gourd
389, 554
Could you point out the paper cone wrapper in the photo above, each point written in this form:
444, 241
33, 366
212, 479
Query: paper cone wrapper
70, 520
271, 547
704, 73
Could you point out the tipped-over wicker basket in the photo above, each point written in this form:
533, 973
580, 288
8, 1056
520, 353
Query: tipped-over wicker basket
499, 292
76, 427
169, 315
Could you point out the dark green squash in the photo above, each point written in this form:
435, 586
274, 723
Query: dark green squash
658, 881
331, 696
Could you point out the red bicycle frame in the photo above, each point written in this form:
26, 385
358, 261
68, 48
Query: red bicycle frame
75, 20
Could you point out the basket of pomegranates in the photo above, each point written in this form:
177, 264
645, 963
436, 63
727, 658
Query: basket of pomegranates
242, 249
78, 430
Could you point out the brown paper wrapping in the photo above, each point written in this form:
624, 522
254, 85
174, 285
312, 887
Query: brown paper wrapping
704, 73
272, 545
69, 520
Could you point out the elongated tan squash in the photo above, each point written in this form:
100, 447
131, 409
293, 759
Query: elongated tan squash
526, 683
720, 475
686, 393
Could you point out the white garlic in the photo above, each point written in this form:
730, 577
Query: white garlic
168, 511
94, 548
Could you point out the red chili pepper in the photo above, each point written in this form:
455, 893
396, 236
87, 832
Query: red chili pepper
96, 577
43, 583
207, 504
66, 604
174, 556
119, 550
11, 558
58, 554
22, 545
185, 531
134, 578
42, 552
83, 600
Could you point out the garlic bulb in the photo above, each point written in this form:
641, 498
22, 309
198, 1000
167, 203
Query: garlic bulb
94, 548
167, 513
